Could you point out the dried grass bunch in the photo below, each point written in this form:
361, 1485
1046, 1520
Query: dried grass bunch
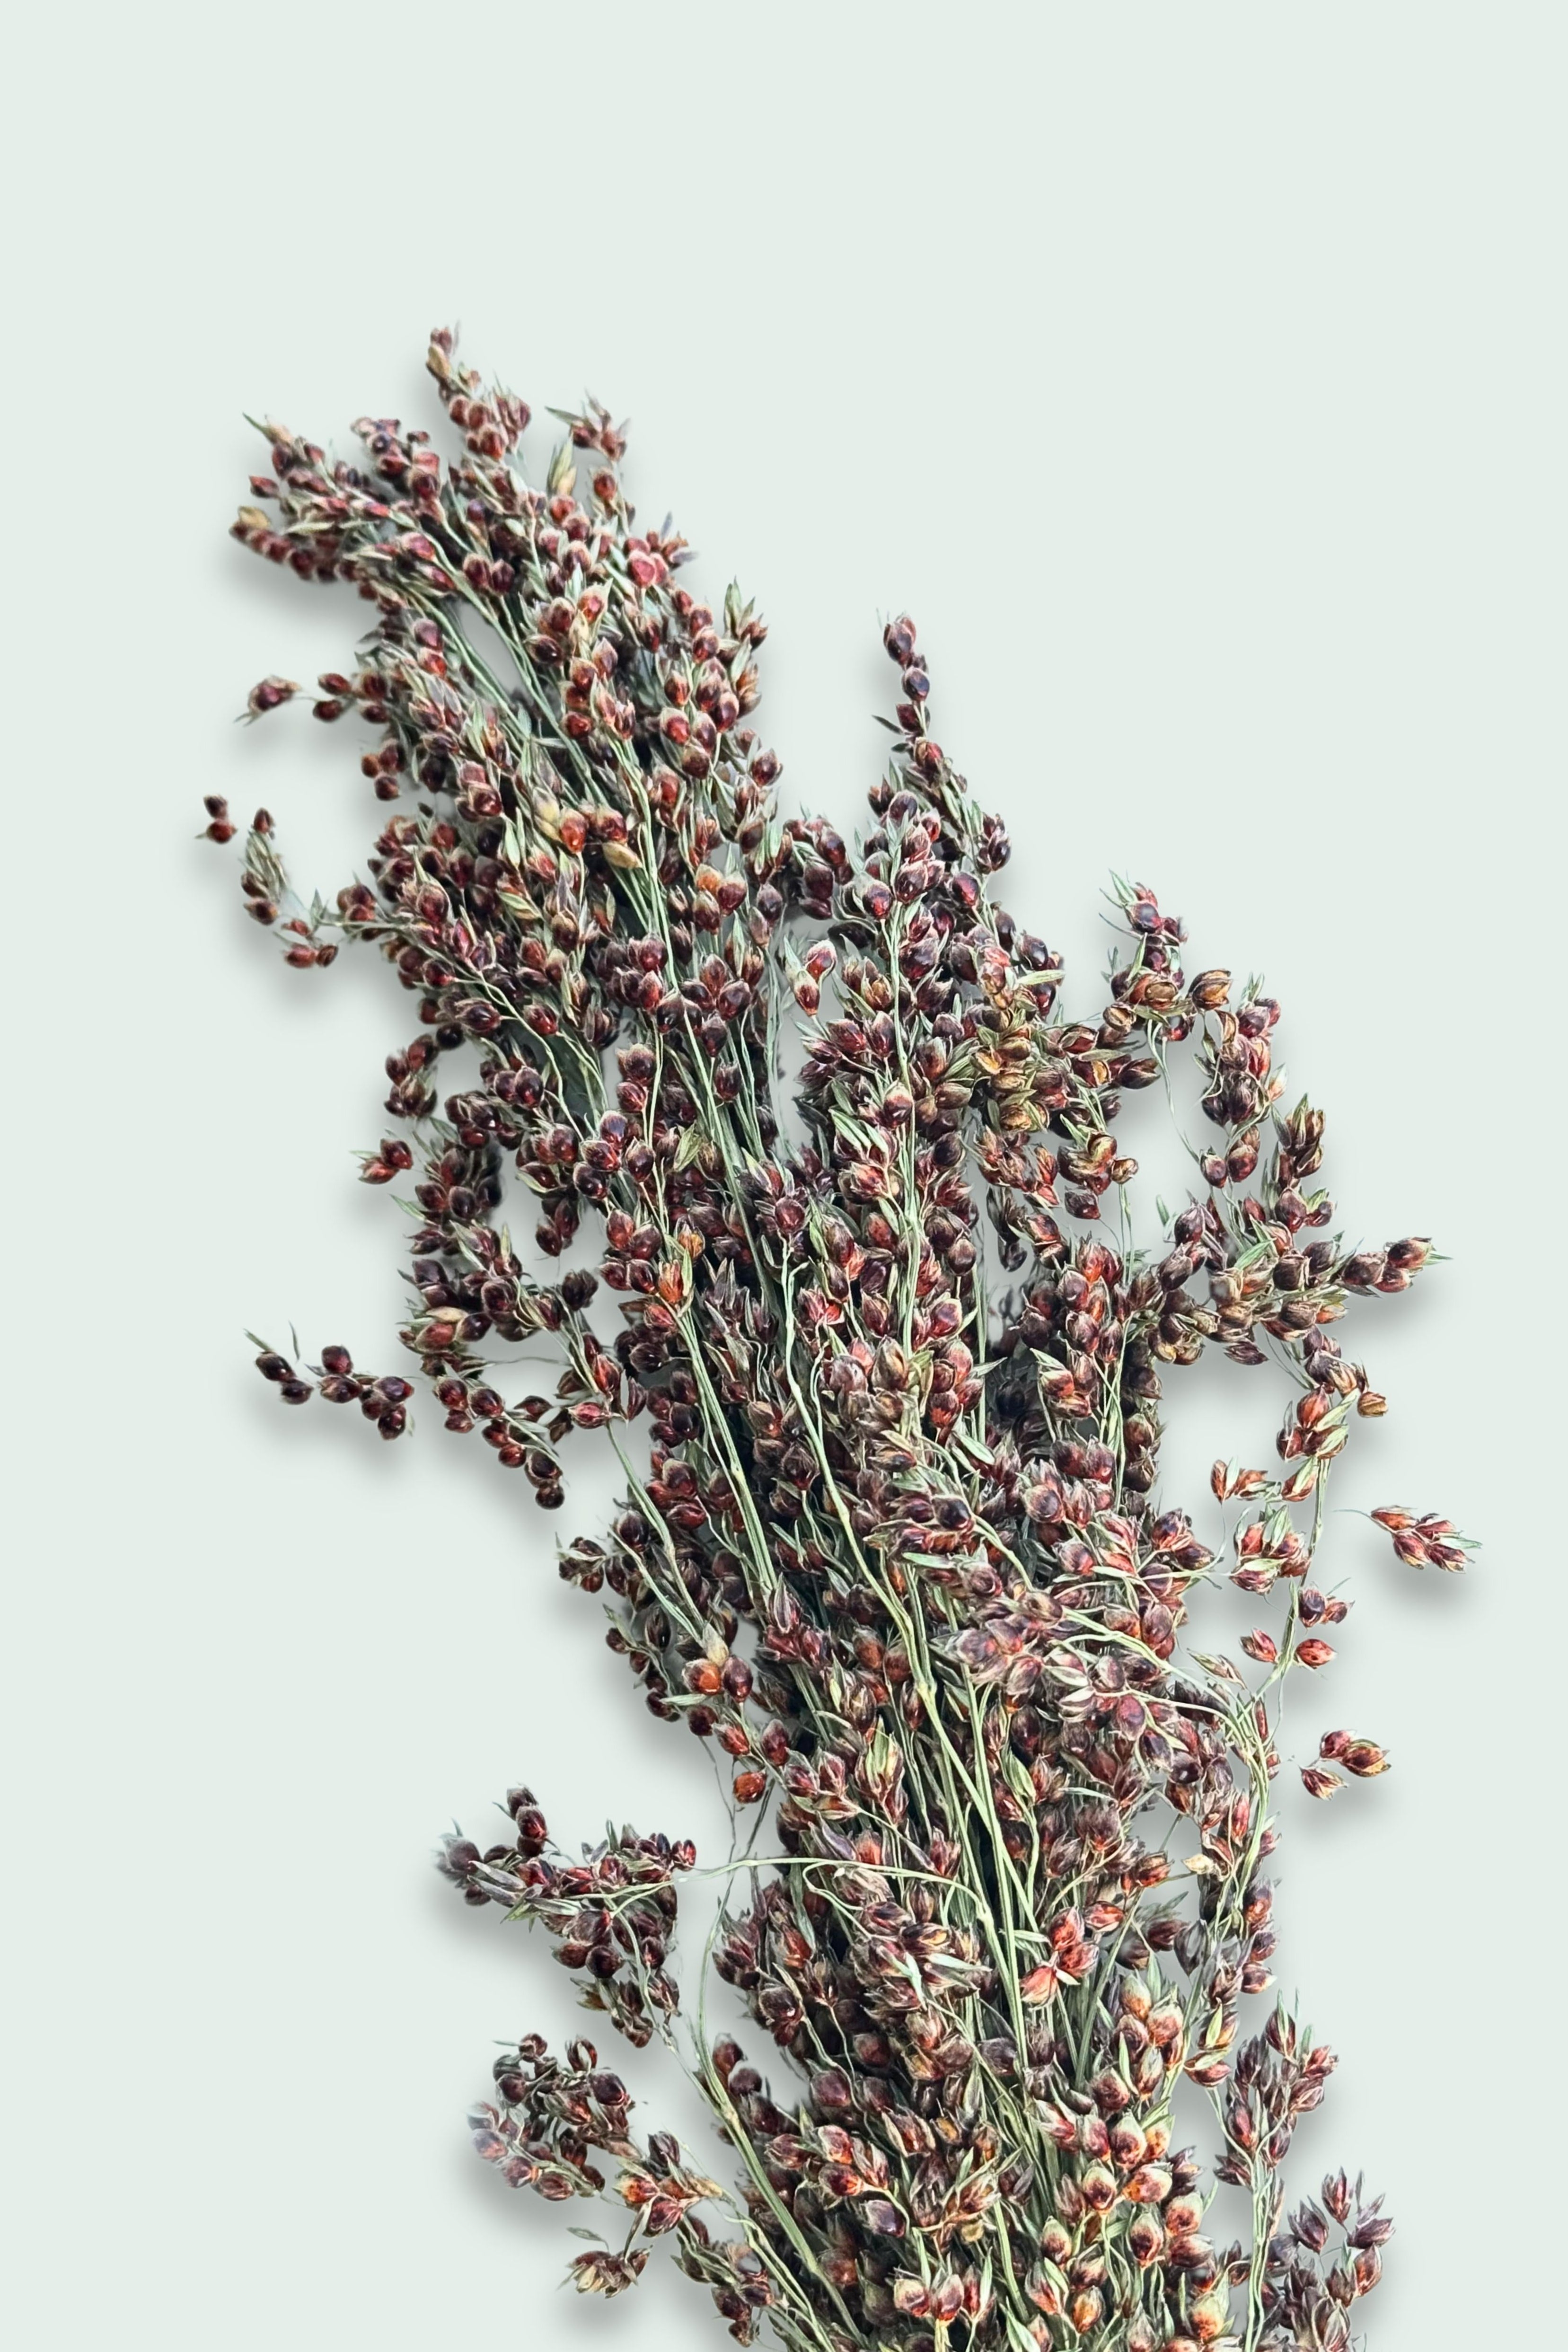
895, 1543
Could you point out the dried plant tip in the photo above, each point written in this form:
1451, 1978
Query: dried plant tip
270, 695
1364, 1757
1427, 1541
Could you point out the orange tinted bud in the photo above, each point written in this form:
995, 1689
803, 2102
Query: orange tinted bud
1210, 2315
1040, 1985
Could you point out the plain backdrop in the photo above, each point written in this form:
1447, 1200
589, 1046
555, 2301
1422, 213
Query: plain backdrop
1196, 375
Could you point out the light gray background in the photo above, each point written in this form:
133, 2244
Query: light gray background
1194, 374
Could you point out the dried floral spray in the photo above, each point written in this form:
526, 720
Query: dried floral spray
893, 1540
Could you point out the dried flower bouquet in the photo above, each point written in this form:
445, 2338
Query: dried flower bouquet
894, 1542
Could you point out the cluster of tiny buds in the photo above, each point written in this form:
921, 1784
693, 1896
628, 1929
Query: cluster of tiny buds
1425, 1541
384, 1401
1363, 1757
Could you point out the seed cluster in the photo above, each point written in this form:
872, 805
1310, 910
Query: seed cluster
892, 1537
